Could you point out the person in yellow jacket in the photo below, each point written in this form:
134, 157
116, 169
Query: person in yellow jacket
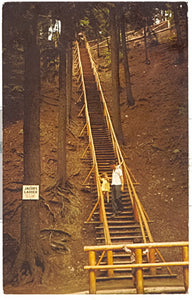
105, 186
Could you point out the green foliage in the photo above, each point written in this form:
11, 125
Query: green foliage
120, 55
49, 61
84, 22
183, 110
172, 41
17, 89
140, 14
87, 28
95, 20
170, 16
107, 56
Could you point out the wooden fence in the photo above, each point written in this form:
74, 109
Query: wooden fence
139, 265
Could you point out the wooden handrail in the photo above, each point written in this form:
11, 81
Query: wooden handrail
154, 28
143, 265
142, 216
103, 216
136, 246
132, 192
139, 212
138, 265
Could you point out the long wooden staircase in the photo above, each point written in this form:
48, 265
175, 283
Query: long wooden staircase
132, 222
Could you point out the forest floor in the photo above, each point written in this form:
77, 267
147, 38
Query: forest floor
156, 146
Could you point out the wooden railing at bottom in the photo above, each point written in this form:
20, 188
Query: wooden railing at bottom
92, 267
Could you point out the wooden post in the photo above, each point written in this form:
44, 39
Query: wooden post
139, 272
135, 211
152, 260
110, 262
100, 211
186, 268
88, 175
83, 130
92, 277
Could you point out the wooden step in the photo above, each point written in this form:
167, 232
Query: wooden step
122, 232
119, 226
110, 222
145, 276
118, 238
122, 213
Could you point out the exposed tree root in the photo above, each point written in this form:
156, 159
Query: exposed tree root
49, 209
28, 267
59, 231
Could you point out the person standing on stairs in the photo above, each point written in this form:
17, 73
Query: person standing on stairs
81, 38
105, 186
117, 186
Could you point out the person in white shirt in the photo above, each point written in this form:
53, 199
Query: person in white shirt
117, 186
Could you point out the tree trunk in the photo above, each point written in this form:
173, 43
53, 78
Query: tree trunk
185, 8
130, 99
118, 42
69, 63
115, 77
108, 43
98, 49
28, 266
147, 61
61, 154
179, 35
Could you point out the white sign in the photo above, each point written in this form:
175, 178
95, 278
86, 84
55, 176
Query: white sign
30, 192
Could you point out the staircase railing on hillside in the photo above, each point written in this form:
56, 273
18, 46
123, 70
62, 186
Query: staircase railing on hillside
139, 265
100, 200
139, 212
155, 28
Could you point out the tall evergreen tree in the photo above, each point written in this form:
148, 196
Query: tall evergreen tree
62, 121
116, 114
65, 14
69, 65
130, 99
180, 17
29, 262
